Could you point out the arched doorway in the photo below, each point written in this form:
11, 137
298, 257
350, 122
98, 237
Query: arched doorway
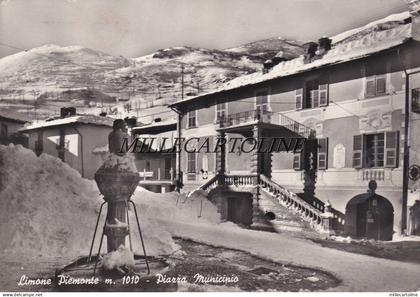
369, 217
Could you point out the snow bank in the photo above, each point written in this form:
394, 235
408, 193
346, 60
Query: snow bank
49, 210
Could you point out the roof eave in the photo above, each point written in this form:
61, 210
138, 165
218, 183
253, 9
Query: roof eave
180, 106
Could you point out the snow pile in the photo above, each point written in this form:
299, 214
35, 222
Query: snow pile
49, 210
121, 257
173, 207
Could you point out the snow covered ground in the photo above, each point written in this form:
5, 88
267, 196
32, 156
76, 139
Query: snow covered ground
49, 211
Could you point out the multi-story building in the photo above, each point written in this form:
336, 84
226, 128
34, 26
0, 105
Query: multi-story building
347, 96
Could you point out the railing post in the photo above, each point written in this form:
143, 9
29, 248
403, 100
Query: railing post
327, 219
158, 173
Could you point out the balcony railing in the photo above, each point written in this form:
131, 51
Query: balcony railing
240, 180
244, 117
373, 174
157, 175
265, 117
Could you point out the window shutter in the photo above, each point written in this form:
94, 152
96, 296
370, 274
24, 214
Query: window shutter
299, 98
315, 98
323, 95
298, 161
323, 153
358, 151
370, 86
391, 149
380, 85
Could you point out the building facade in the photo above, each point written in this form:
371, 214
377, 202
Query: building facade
347, 99
75, 139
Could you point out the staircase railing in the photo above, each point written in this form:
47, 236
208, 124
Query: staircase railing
210, 184
292, 201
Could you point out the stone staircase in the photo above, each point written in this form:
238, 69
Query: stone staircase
287, 211
279, 210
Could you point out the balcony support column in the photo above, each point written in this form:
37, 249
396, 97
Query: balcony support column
310, 168
221, 156
256, 169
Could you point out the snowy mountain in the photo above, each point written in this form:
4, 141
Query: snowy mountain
54, 75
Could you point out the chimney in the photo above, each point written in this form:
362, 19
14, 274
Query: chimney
278, 58
310, 51
66, 112
131, 122
324, 46
267, 66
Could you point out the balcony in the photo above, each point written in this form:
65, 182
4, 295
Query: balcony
373, 174
255, 116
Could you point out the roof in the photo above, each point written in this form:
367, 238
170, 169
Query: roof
78, 119
372, 43
14, 116
156, 127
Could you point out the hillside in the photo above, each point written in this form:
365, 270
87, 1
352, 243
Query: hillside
55, 75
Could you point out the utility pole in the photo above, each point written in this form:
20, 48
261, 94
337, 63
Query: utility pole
406, 164
182, 82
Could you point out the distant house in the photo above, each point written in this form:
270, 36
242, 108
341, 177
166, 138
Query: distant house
10, 123
157, 169
72, 138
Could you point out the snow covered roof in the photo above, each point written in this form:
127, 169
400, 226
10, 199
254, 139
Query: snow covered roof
15, 116
156, 127
341, 51
78, 119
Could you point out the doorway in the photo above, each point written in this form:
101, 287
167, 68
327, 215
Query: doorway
239, 210
369, 217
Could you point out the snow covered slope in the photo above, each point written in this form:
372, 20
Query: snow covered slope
50, 71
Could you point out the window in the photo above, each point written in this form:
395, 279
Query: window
376, 150
262, 106
415, 100
322, 153
192, 119
298, 161
375, 86
191, 163
313, 95
299, 98
39, 143
3, 132
221, 111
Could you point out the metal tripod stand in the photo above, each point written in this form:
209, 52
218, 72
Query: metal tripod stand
129, 235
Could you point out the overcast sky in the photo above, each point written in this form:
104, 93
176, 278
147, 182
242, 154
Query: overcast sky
134, 28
